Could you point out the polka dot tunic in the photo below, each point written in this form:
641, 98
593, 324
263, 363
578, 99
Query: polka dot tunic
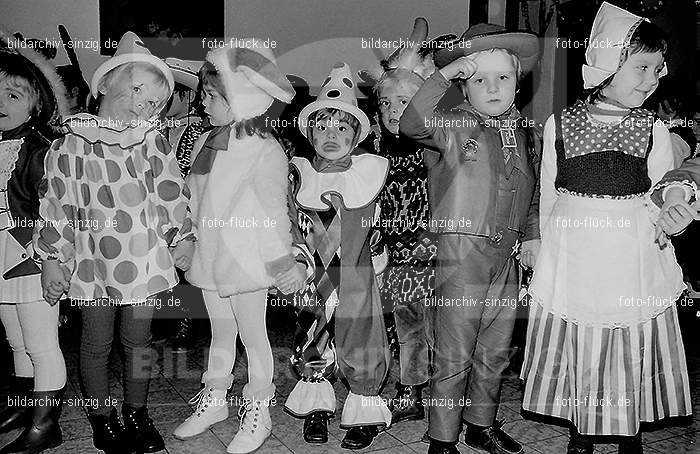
112, 202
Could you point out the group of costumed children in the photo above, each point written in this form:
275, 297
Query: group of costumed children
438, 212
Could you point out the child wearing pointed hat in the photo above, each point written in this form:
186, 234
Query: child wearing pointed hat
604, 348
239, 189
482, 207
115, 222
410, 276
340, 328
32, 101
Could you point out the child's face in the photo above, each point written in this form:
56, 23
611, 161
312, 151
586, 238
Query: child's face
133, 95
636, 80
333, 138
394, 96
216, 107
15, 104
491, 90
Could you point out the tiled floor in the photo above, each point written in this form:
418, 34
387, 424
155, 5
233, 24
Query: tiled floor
176, 379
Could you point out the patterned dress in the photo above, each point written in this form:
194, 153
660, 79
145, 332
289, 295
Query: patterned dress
112, 203
604, 348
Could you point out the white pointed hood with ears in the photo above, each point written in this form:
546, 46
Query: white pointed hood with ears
250, 77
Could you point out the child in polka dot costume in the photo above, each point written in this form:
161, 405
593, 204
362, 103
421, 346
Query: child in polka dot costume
604, 349
239, 204
116, 221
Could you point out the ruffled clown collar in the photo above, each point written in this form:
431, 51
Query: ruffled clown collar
94, 129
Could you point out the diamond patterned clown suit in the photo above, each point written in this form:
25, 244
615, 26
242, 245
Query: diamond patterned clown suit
340, 328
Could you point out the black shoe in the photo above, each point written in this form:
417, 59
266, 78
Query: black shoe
491, 439
442, 447
407, 405
183, 337
43, 432
140, 431
108, 433
631, 445
359, 437
316, 427
579, 444
16, 416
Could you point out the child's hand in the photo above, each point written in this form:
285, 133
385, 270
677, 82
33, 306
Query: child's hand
53, 280
528, 252
292, 280
182, 254
674, 218
462, 68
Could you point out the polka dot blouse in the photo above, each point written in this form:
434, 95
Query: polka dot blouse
112, 202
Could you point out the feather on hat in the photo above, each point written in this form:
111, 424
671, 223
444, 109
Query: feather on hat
53, 92
415, 58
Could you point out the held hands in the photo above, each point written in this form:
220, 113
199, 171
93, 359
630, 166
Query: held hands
292, 280
182, 254
462, 68
55, 280
528, 252
676, 214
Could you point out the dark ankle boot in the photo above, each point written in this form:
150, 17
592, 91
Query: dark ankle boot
578, 443
140, 430
108, 433
631, 445
316, 427
407, 405
19, 413
43, 432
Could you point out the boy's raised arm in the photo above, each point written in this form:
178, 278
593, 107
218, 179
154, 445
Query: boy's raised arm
420, 121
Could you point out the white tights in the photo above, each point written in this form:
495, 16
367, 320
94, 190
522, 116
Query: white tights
242, 314
32, 332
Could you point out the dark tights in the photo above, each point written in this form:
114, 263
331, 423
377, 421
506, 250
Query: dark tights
95, 347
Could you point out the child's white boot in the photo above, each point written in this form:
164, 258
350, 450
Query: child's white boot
255, 425
212, 407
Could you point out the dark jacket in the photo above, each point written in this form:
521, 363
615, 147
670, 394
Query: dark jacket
23, 200
469, 190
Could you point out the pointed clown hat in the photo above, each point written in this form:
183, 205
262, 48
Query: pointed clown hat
611, 32
52, 92
337, 92
185, 72
130, 50
257, 62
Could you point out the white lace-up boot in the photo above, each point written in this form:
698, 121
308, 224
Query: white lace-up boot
255, 425
212, 407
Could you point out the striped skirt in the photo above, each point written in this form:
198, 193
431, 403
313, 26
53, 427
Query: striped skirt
605, 380
604, 348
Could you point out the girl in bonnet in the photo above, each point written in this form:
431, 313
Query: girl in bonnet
604, 349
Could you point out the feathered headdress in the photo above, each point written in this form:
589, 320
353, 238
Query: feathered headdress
53, 93
414, 58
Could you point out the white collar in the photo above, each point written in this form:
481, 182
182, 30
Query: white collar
357, 186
